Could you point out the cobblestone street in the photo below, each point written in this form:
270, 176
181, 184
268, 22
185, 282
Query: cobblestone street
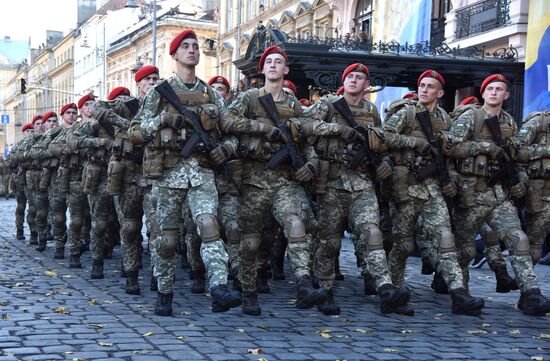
48, 311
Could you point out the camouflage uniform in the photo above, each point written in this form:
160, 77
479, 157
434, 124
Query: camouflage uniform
534, 136
18, 174
191, 177
479, 203
414, 199
32, 182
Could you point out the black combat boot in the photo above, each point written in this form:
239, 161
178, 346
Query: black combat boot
464, 304
217, 307
84, 247
163, 307
153, 286
59, 253
41, 245
108, 253
20, 235
184, 261
262, 286
198, 282
505, 283
34, 239
535, 303
237, 285
74, 261
97, 270
225, 297
307, 295
278, 267
427, 268
250, 305
392, 297
439, 285
369, 284
338, 276
405, 310
132, 283
329, 307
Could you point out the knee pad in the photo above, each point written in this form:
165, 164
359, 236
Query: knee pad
250, 244
536, 253
295, 229
42, 213
372, 236
468, 253
60, 219
167, 244
490, 236
333, 244
208, 227
404, 244
132, 226
520, 242
445, 240
232, 232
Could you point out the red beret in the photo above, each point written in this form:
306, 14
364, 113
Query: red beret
491, 79
340, 91
220, 80
290, 85
271, 50
355, 67
469, 100
84, 99
67, 106
145, 71
410, 96
120, 90
35, 118
175, 43
51, 114
306, 102
27, 126
431, 74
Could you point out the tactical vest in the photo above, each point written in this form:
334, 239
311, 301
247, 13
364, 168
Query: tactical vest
254, 146
481, 165
540, 168
334, 149
52, 162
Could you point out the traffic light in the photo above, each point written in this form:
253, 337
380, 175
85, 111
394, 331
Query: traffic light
23, 86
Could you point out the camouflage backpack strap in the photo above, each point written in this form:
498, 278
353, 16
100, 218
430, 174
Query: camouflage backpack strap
479, 121
410, 114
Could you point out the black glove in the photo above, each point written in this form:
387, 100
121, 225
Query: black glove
306, 172
449, 190
350, 135
384, 170
422, 146
175, 121
219, 154
518, 190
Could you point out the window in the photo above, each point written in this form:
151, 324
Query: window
229, 17
363, 18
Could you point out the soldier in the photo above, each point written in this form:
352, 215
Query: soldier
192, 177
221, 85
18, 176
535, 152
274, 192
479, 144
95, 139
417, 195
69, 178
290, 88
346, 191
33, 175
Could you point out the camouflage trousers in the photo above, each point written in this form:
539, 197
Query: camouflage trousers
435, 218
359, 210
32, 181
79, 211
150, 198
129, 207
537, 227
190, 236
41, 198
58, 209
202, 199
492, 251
286, 203
227, 214
21, 200
501, 216
104, 220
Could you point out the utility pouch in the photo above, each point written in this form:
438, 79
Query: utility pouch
209, 115
153, 159
377, 141
45, 179
117, 146
91, 177
115, 175
546, 168
63, 179
236, 167
480, 165
467, 191
167, 138
533, 200
400, 183
320, 181
127, 149
466, 166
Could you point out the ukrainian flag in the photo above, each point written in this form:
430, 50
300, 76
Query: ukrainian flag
537, 59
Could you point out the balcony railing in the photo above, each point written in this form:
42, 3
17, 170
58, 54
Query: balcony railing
482, 16
437, 35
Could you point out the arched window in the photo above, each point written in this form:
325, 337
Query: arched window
363, 17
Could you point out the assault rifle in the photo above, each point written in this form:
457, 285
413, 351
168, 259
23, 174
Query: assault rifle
290, 150
365, 152
165, 89
507, 172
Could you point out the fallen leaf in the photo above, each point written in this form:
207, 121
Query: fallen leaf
190, 325
486, 325
515, 349
6, 317
51, 293
68, 352
241, 330
537, 358
95, 325
109, 302
367, 331
93, 301
272, 314
62, 310
292, 301
543, 335
181, 338
79, 359
325, 335
390, 350
51, 273
5, 303
147, 334
345, 320
408, 331
263, 327
255, 351
476, 332
185, 313
514, 332
262, 359
20, 284
105, 344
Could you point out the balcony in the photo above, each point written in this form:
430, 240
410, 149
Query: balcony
482, 16
437, 31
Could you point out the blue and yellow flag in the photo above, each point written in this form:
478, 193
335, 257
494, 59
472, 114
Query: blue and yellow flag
537, 59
